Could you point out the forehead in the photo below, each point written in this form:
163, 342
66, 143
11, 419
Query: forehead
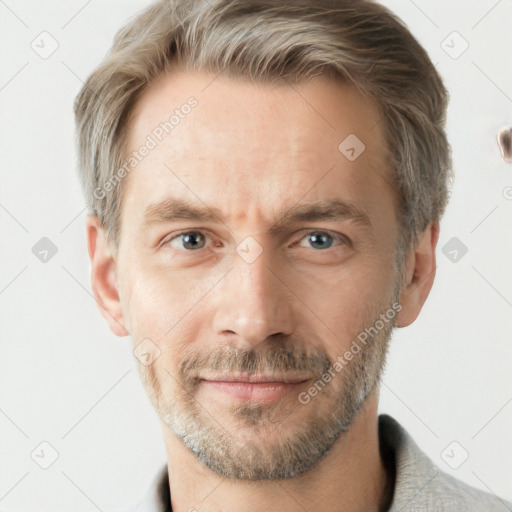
322, 108
254, 144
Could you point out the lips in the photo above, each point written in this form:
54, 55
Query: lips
256, 378
263, 388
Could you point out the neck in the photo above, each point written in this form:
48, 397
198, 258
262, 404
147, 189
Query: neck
352, 476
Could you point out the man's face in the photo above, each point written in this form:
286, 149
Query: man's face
288, 257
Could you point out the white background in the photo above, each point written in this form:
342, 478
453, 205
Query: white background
65, 379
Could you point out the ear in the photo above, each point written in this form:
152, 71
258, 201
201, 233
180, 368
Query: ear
103, 276
420, 273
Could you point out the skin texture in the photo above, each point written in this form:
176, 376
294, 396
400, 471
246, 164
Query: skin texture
285, 303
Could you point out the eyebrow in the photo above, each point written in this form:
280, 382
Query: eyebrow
336, 210
172, 209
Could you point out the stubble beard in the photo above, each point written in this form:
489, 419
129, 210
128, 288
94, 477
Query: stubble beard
259, 443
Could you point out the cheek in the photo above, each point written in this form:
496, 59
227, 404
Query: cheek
144, 297
159, 302
343, 301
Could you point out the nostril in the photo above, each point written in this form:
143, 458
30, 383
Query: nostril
505, 143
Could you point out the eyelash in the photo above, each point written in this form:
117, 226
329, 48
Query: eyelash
335, 236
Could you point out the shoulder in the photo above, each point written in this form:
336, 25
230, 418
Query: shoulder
458, 496
421, 486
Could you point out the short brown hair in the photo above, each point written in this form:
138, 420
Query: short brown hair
358, 41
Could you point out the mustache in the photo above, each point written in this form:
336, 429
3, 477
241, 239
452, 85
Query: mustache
273, 358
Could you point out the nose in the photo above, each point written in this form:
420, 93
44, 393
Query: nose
253, 303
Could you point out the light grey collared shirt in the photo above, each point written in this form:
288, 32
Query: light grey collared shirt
420, 486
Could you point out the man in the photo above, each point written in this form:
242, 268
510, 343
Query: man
266, 180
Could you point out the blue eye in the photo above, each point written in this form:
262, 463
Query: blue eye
191, 240
320, 240
194, 240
